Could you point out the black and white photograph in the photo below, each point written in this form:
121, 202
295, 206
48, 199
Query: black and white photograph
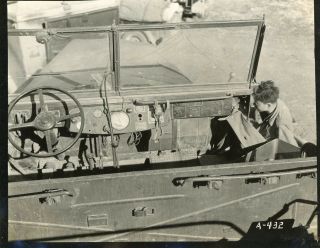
162, 121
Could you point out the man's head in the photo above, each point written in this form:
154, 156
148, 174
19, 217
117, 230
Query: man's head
265, 96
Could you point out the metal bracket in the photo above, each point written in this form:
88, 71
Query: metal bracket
44, 37
309, 174
143, 211
200, 181
270, 180
54, 196
215, 184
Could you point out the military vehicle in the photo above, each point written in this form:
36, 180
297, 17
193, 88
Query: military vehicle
115, 140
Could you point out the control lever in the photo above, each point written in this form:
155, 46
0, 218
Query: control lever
157, 114
104, 97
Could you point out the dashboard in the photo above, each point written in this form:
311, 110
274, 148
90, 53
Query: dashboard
127, 117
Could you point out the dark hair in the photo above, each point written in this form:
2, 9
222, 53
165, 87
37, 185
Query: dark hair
266, 92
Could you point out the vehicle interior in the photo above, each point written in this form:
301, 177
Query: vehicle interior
104, 103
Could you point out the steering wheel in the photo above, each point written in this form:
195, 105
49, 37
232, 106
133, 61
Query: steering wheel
45, 121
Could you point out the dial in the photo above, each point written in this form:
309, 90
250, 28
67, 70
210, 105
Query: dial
119, 120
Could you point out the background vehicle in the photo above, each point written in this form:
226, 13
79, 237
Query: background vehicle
124, 129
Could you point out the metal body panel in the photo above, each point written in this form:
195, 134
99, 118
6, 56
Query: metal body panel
150, 204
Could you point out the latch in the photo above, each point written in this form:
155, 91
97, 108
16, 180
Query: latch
308, 174
211, 184
270, 180
263, 180
197, 182
143, 211
214, 184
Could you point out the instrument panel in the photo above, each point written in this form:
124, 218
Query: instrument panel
124, 119
129, 117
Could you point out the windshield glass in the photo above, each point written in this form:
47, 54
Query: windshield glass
186, 56
77, 61
148, 58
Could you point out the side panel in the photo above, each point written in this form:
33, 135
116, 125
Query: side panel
170, 204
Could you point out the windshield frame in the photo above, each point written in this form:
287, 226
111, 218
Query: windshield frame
114, 43
259, 23
69, 31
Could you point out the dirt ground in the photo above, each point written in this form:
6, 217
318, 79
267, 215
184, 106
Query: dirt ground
287, 55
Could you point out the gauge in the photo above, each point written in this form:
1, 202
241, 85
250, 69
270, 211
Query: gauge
119, 120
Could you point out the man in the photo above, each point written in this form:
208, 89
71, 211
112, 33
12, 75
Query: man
276, 120
231, 135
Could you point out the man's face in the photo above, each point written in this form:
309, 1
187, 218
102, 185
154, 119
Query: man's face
262, 107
